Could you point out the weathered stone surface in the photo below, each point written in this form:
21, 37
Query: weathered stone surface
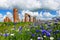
34, 19
15, 15
7, 20
29, 18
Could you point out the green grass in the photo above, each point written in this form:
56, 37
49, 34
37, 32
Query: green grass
26, 32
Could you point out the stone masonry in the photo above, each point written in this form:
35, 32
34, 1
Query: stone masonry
29, 18
15, 15
7, 20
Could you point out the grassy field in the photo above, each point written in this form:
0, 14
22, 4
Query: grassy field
29, 31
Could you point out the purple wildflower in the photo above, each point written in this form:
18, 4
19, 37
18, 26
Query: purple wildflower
58, 19
47, 34
20, 28
33, 35
43, 32
6, 34
55, 20
37, 31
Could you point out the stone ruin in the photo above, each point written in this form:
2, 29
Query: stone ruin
15, 15
29, 18
7, 20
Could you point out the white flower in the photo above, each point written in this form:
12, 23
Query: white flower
12, 34
38, 38
30, 39
44, 36
41, 38
51, 38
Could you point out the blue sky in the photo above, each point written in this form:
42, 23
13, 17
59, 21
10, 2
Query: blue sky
3, 11
42, 9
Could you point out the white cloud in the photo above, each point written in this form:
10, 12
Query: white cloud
21, 4
30, 13
8, 14
45, 18
51, 4
58, 13
20, 16
1, 17
30, 4
47, 14
35, 14
40, 14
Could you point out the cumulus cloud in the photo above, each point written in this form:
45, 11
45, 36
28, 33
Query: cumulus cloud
1, 17
20, 16
21, 4
30, 13
30, 4
8, 14
58, 13
45, 16
41, 15
51, 4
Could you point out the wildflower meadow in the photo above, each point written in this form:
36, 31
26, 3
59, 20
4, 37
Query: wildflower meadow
30, 31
